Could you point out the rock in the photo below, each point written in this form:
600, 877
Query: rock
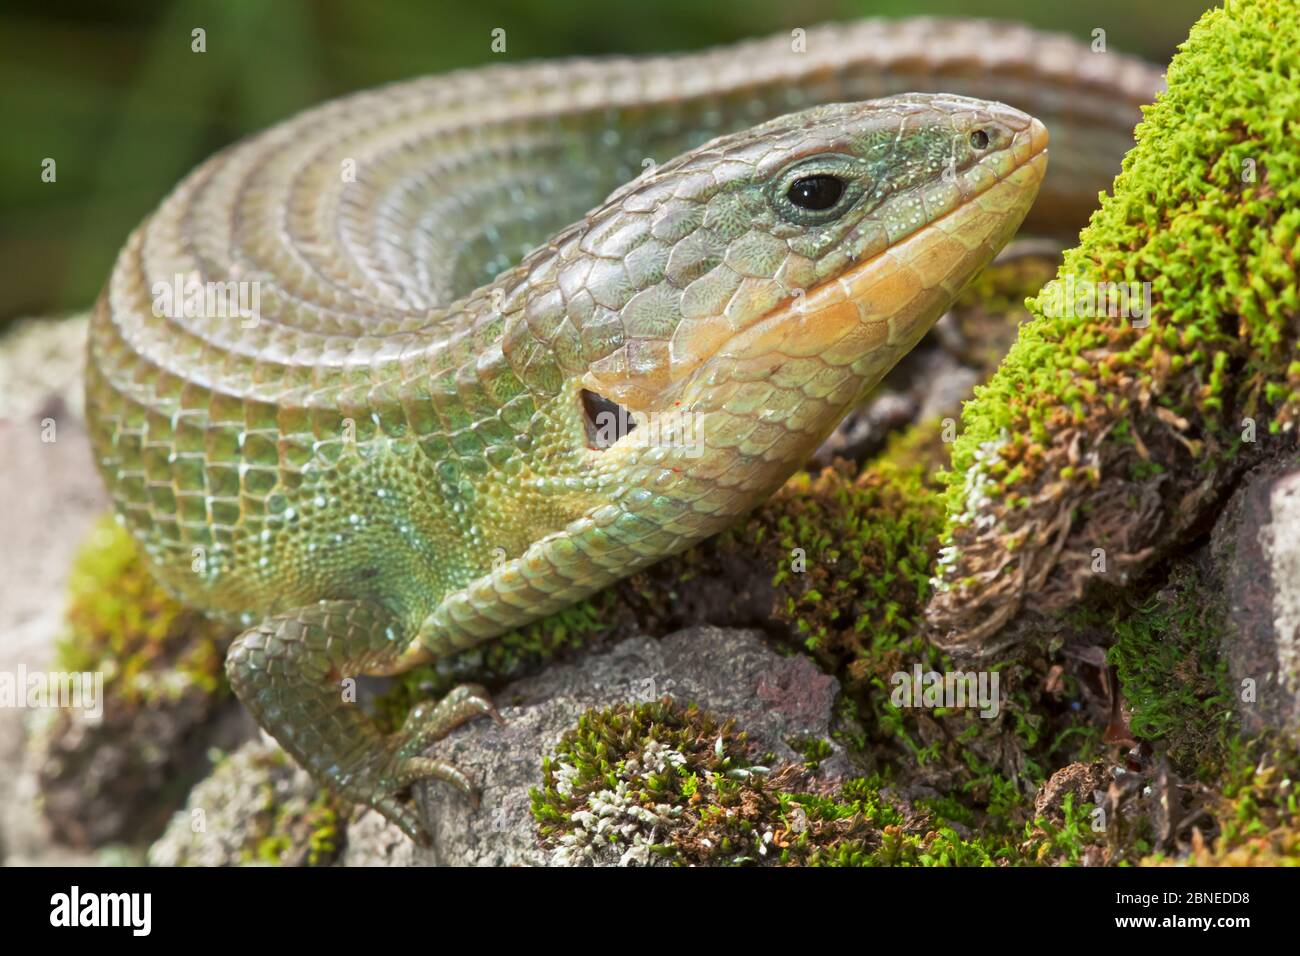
49, 496
255, 807
730, 673
120, 777
41, 365
1255, 547
373, 841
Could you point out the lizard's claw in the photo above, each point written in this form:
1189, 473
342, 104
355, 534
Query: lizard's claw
429, 721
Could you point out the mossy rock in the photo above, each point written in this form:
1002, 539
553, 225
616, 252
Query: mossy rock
256, 808
662, 783
119, 777
666, 783
1102, 442
121, 623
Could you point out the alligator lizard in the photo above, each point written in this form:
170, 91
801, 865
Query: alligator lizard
391, 449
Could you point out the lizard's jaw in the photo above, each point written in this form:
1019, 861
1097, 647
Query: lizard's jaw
864, 320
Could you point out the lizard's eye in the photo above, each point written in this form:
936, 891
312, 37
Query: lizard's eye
818, 189
606, 421
979, 139
816, 192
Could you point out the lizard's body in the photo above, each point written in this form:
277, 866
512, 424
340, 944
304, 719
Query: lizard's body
393, 458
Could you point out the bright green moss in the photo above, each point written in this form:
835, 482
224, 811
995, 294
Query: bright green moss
1207, 211
120, 622
814, 750
1064, 842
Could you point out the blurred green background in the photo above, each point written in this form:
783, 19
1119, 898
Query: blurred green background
113, 93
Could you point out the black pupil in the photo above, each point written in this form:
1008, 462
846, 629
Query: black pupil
979, 139
816, 192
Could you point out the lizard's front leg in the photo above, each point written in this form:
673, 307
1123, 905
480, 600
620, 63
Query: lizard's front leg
288, 671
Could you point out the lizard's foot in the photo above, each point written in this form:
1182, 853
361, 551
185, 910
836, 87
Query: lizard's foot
292, 671
431, 720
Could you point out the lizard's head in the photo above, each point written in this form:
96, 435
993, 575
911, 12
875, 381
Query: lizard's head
745, 295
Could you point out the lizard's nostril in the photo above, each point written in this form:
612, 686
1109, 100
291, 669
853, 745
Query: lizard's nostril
606, 421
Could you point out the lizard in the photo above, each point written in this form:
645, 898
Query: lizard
374, 437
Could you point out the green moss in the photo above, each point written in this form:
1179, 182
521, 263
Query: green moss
670, 783
1256, 813
644, 780
663, 781
1259, 816
868, 543
122, 623
1206, 210
1166, 652
1061, 843
813, 749
853, 556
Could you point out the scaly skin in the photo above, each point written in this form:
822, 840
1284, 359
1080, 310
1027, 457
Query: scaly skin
394, 459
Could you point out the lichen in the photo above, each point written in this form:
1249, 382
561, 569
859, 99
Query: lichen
1114, 435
